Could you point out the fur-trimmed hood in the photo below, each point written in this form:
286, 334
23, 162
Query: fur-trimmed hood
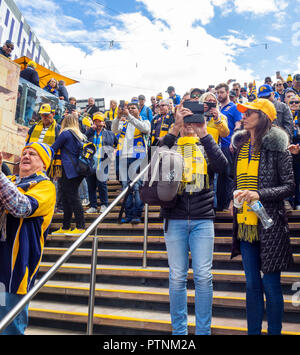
275, 140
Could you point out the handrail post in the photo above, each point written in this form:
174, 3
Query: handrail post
146, 215
92, 285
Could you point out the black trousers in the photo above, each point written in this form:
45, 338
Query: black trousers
71, 201
225, 181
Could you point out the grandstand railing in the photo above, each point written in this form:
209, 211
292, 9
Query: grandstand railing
11, 315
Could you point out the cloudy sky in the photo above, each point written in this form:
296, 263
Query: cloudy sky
123, 48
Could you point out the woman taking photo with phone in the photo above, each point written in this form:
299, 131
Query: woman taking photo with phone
188, 226
263, 171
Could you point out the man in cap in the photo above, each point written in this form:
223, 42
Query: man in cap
284, 114
162, 122
7, 48
145, 111
26, 210
46, 130
30, 74
105, 142
172, 95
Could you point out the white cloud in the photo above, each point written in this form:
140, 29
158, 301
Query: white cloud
274, 39
259, 7
147, 56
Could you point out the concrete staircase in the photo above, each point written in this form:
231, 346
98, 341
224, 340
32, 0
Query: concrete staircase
133, 300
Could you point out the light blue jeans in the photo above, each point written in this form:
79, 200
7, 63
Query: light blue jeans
181, 237
19, 324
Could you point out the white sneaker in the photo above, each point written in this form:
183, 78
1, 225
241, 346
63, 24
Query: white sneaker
297, 207
103, 208
85, 202
91, 210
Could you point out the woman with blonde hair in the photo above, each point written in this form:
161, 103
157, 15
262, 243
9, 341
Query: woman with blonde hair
216, 122
68, 142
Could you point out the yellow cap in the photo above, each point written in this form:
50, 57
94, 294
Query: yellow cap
32, 64
98, 116
87, 121
45, 109
263, 105
289, 78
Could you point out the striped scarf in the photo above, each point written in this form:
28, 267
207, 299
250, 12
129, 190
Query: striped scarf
194, 177
49, 137
139, 145
247, 179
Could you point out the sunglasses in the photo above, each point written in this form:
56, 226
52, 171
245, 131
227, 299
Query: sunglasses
193, 96
249, 112
294, 102
279, 84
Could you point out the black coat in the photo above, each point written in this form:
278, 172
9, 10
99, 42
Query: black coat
198, 205
275, 183
30, 75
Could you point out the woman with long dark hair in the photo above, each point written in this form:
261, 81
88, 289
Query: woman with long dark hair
263, 171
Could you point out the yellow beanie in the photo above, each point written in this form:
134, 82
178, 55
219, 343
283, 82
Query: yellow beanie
98, 116
43, 150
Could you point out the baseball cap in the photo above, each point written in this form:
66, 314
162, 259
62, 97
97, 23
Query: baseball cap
297, 77
263, 105
170, 89
45, 109
32, 64
265, 90
98, 116
134, 100
9, 44
141, 97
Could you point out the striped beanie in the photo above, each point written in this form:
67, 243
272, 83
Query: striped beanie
44, 151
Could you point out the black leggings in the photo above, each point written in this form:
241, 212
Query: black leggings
71, 201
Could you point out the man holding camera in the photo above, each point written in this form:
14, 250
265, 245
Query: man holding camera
26, 210
132, 130
225, 179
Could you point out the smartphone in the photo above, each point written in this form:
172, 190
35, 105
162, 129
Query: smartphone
198, 112
122, 104
277, 74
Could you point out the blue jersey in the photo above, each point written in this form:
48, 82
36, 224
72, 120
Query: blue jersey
233, 116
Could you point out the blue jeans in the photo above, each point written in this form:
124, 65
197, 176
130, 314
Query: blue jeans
93, 185
133, 205
198, 237
256, 286
19, 324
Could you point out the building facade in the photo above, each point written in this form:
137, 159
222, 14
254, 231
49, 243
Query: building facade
14, 27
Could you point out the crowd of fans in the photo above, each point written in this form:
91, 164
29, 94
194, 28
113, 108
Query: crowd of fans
249, 141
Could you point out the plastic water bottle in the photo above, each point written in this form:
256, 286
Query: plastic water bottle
260, 211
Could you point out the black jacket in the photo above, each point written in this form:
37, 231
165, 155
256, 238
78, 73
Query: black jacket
30, 75
284, 118
275, 183
198, 205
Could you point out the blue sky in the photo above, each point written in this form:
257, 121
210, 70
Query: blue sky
157, 43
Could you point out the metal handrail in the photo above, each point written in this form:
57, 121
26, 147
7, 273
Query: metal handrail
10, 316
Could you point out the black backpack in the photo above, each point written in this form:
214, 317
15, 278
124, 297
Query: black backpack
85, 162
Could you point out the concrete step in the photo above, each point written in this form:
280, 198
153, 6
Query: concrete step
138, 254
123, 319
151, 294
138, 239
157, 272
